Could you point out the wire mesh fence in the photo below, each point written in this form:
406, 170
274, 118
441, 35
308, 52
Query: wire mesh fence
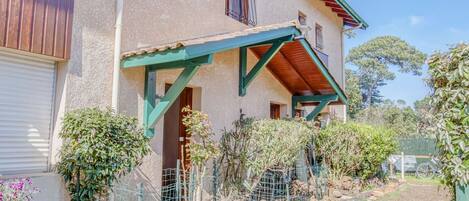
273, 184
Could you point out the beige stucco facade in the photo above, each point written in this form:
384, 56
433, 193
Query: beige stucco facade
86, 79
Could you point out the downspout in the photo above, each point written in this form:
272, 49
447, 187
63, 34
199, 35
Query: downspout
117, 48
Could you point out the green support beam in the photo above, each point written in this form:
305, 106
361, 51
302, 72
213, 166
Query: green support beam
149, 100
197, 50
323, 100
246, 79
154, 111
243, 62
178, 64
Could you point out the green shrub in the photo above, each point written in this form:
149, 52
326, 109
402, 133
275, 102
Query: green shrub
99, 146
276, 144
254, 146
355, 149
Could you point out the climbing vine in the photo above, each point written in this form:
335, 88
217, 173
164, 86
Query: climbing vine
450, 101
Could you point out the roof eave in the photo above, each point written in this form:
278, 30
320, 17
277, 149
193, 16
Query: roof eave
352, 13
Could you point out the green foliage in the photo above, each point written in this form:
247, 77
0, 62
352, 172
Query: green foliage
450, 100
425, 118
202, 147
352, 89
354, 149
275, 144
374, 59
254, 146
99, 146
398, 117
234, 152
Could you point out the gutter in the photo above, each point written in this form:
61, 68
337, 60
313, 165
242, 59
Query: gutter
117, 48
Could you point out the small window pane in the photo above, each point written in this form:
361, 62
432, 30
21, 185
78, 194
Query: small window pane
319, 38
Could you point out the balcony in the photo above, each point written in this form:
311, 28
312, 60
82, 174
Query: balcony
323, 56
243, 11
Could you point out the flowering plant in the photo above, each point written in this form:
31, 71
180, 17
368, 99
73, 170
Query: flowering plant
17, 190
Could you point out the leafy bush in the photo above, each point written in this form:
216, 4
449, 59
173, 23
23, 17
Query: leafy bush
355, 149
450, 101
99, 146
17, 190
234, 152
255, 146
202, 147
276, 144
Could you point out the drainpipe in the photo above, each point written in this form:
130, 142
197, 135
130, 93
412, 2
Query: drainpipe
117, 48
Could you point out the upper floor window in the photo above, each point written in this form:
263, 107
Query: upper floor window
319, 38
301, 18
242, 10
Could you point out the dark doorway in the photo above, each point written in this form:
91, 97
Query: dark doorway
274, 111
175, 137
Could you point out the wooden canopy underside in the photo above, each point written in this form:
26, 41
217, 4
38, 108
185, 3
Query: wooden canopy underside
295, 69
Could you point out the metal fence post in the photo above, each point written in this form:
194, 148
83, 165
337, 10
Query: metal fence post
140, 192
402, 165
178, 180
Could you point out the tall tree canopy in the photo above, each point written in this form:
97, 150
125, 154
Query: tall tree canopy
374, 60
352, 89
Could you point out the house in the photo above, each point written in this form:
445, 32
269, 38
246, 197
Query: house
149, 58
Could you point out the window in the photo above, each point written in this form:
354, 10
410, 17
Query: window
301, 18
319, 38
26, 113
242, 10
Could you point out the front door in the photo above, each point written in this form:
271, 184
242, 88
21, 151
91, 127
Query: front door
175, 137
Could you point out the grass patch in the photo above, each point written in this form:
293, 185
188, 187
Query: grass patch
396, 194
428, 181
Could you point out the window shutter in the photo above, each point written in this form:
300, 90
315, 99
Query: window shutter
26, 94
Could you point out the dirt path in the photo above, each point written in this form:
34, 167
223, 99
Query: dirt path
418, 191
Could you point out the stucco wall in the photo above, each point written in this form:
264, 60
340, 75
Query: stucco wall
86, 79
162, 22
218, 83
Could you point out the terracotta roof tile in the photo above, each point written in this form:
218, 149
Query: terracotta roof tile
202, 40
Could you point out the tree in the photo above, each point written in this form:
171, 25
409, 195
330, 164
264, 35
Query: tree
450, 103
396, 116
425, 118
352, 89
374, 60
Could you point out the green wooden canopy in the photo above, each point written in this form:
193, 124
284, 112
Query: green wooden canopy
191, 54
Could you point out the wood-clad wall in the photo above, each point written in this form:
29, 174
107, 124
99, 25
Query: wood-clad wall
37, 26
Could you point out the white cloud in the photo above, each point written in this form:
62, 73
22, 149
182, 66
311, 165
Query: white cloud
415, 20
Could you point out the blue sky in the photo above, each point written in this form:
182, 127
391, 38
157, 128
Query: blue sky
429, 25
